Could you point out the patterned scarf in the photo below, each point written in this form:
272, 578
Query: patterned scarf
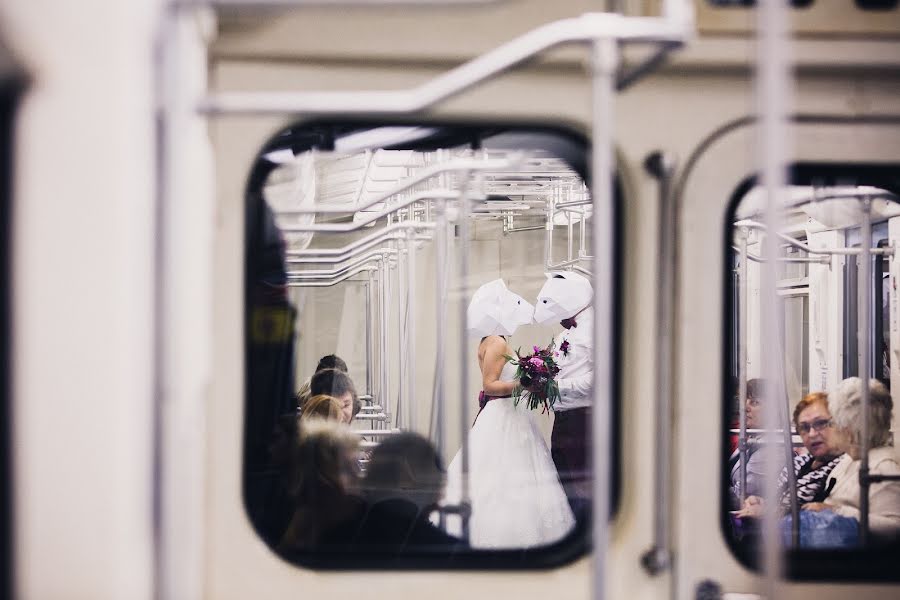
811, 485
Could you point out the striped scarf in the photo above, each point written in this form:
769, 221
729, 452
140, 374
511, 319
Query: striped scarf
811, 485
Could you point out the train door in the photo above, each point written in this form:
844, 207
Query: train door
818, 290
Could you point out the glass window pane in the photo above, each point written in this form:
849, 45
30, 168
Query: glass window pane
822, 290
363, 379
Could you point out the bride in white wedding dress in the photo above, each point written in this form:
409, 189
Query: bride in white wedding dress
515, 494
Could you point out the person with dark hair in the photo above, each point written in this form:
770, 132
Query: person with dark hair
327, 362
323, 486
756, 460
403, 484
332, 361
337, 384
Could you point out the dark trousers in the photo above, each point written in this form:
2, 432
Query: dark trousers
570, 446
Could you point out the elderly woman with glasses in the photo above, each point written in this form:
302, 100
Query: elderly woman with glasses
814, 424
845, 405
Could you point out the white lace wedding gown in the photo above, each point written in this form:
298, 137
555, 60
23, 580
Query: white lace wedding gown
517, 500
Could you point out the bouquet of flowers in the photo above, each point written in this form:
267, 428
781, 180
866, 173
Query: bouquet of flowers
536, 374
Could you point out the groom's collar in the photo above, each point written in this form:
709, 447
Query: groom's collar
572, 322
584, 333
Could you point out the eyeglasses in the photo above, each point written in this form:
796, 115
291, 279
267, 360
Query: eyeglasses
817, 425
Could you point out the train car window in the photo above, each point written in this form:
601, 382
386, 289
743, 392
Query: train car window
829, 215
747, 3
413, 291
879, 342
12, 84
877, 4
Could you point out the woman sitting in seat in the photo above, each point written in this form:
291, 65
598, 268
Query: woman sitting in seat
324, 487
811, 469
836, 521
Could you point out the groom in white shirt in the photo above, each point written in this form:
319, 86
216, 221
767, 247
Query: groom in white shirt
566, 297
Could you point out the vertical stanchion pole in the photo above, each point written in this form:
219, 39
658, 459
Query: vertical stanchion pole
463, 227
571, 232
772, 85
383, 329
548, 238
185, 295
604, 63
403, 323
440, 333
411, 402
370, 355
582, 238
743, 232
864, 333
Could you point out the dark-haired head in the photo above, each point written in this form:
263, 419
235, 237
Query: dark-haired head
405, 466
332, 382
332, 361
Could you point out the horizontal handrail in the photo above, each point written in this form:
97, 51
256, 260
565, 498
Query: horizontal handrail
585, 29
301, 283
801, 246
326, 273
346, 228
264, 4
464, 164
377, 432
362, 243
787, 259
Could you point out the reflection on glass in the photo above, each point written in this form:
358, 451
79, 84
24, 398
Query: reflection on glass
357, 398
819, 398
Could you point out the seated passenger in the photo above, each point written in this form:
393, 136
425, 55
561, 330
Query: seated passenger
403, 484
835, 522
336, 383
324, 406
330, 361
811, 469
323, 486
756, 459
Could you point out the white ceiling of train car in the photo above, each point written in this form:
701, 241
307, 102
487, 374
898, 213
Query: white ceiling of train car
352, 180
825, 207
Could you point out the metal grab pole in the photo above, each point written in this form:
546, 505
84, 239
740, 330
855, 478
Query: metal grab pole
569, 241
658, 558
604, 63
370, 354
389, 285
411, 331
864, 332
548, 238
463, 220
440, 334
773, 87
785, 418
742, 362
383, 329
587, 28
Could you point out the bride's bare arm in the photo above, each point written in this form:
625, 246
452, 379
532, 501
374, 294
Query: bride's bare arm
492, 365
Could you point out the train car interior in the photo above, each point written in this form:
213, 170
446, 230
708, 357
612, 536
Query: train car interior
450, 298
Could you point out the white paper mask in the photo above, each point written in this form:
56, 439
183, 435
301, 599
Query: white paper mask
564, 294
494, 310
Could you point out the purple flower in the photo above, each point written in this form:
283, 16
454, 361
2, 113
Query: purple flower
565, 348
536, 349
536, 362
